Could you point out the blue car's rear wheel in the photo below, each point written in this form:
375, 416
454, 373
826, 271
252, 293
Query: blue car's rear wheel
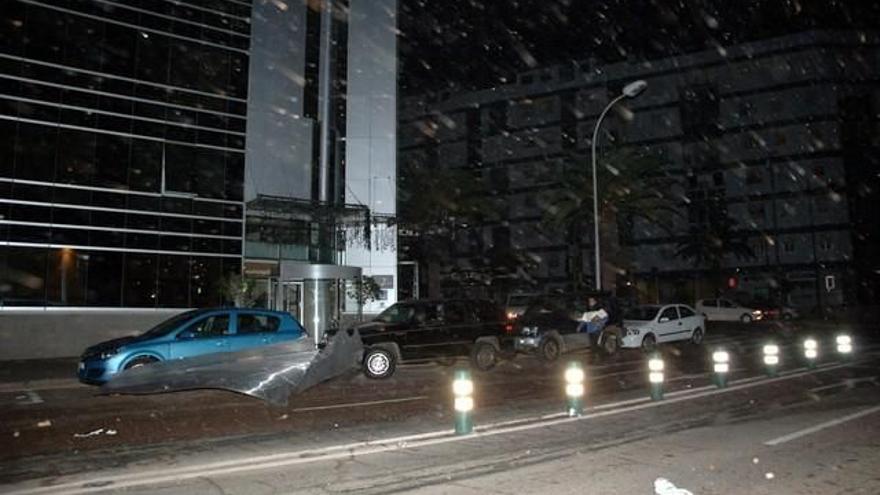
140, 361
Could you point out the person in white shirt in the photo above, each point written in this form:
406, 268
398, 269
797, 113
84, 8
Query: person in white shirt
595, 318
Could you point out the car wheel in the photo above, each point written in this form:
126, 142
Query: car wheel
379, 363
140, 362
549, 350
746, 318
697, 336
610, 344
484, 356
649, 343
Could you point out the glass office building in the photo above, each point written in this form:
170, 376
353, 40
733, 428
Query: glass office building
122, 141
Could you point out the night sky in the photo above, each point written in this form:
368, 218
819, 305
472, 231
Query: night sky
477, 44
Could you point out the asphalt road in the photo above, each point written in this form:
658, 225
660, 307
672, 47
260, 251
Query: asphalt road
699, 437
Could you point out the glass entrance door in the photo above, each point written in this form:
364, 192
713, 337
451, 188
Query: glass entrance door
288, 296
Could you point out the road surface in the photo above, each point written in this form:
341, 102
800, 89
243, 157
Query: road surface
361, 436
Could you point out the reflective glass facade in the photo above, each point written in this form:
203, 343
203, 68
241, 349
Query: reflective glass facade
122, 139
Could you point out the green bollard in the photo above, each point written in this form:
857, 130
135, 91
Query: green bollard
574, 389
771, 359
811, 352
655, 377
844, 346
463, 389
721, 368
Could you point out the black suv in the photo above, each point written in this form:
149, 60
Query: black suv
433, 329
549, 326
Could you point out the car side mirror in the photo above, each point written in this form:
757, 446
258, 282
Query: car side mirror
186, 335
664, 319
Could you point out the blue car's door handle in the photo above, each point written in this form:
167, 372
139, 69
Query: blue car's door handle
221, 343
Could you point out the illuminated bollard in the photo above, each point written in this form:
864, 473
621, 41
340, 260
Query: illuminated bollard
463, 389
721, 361
844, 345
655, 376
771, 358
811, 352
574, 389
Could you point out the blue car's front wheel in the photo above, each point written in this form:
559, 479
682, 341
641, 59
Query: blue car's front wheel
140, 361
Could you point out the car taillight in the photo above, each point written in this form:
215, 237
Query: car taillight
508, 328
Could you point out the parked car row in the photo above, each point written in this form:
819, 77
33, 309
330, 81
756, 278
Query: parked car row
547, 326
726, 310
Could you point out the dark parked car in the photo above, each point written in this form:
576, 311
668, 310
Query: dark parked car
550, 327
433, 329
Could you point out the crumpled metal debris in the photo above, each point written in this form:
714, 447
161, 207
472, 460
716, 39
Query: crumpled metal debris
270, 373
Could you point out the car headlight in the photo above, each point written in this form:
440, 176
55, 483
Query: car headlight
109, 353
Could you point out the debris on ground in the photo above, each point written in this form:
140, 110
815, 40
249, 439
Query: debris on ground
44, 424
663, 486
89, 434
95, 433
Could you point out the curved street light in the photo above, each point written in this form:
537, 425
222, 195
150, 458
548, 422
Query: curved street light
631, 90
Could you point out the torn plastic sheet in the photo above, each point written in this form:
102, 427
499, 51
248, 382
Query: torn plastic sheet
271, 373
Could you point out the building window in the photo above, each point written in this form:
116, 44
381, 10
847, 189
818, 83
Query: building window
566, 73
754, 177
699, 110
788, 246
757, 211
825, 244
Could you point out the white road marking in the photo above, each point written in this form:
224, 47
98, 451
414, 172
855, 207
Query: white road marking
821, 426
360, 404
848, 383
33, 397
347, 451
50, 384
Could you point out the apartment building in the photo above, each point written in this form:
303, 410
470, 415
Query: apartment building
777, 135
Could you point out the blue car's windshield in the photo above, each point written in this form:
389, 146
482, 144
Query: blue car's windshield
170, 324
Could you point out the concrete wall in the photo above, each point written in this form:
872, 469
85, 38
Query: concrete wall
371, 142
39, 334
279, 138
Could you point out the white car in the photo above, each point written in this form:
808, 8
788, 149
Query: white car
727, 310
649, 325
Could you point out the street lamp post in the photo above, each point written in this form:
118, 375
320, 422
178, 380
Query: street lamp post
631, 90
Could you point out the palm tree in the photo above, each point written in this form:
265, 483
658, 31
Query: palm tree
708, 246
632, 186
435, 203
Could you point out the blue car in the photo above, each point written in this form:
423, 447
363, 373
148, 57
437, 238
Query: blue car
189, 334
